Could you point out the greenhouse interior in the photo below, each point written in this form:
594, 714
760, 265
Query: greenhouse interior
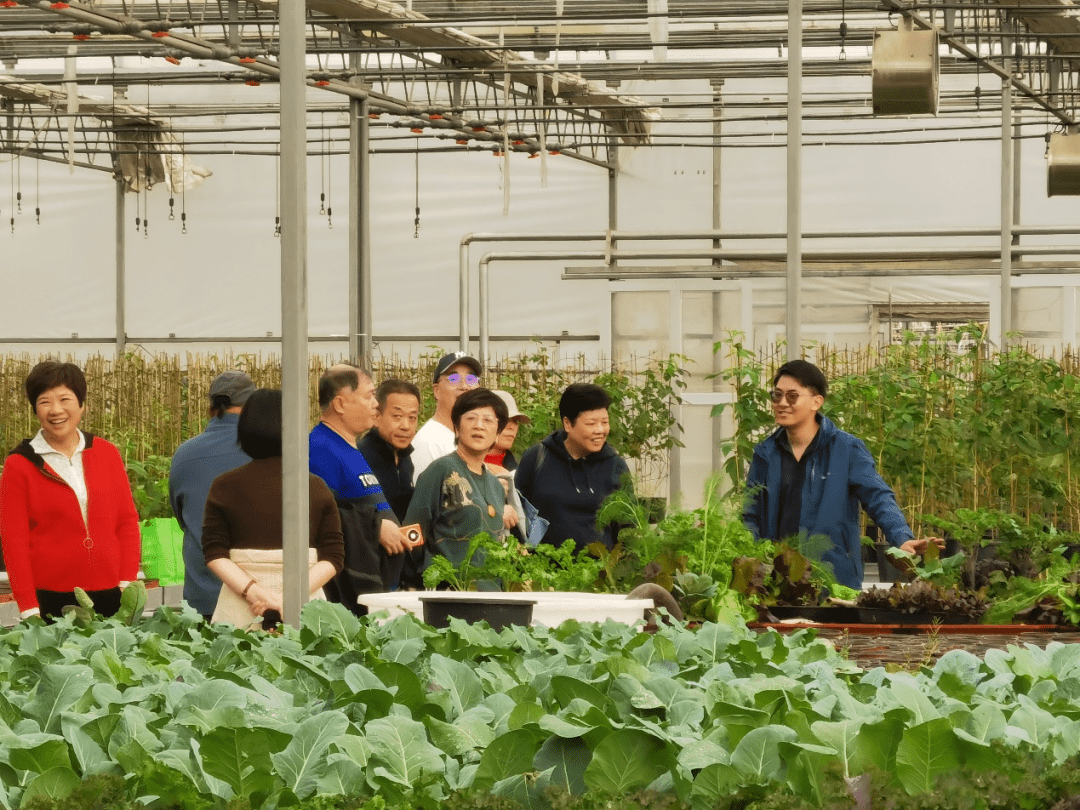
669, 197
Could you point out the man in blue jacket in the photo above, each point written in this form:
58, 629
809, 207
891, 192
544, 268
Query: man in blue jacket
810, 476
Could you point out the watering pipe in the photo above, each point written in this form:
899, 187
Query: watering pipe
755, 254
613, 237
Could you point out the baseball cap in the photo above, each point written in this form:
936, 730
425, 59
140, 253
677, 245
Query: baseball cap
452, 359
512, 407
236, 385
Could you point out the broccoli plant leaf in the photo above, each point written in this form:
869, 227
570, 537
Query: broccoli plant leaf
926, 751
240, 757
625, 760
566, 759
303, 761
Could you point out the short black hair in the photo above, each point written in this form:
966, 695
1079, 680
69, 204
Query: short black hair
395, 386
336, 378
806, 373
259, 427
479, 398
50, 374
581, 397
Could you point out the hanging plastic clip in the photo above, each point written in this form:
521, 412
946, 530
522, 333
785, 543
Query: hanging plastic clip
183, 222
330, 218
277, 226
172, 215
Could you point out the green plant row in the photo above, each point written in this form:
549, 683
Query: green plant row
185, 713
1021, 782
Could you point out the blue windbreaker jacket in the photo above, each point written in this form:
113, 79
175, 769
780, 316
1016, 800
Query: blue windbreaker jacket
840, 475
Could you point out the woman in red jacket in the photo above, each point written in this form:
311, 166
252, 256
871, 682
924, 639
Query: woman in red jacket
67, 519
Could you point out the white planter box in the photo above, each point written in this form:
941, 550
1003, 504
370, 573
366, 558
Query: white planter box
552, 607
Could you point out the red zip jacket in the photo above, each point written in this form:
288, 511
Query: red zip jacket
46, 543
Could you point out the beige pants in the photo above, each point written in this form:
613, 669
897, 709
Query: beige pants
264, 566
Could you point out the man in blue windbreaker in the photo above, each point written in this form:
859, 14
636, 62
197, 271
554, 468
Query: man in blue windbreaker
811, 477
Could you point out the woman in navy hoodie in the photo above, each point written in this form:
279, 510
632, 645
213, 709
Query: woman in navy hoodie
570, 473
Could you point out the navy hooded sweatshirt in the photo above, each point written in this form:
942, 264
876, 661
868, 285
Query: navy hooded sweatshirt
568, 491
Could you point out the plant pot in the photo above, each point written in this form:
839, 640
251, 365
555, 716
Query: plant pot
887, 570
496, 611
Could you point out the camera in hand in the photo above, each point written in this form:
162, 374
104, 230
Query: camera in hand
271, 619
413, 536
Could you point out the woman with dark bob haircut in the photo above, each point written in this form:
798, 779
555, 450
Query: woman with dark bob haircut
67, 519
457, 496
242, 525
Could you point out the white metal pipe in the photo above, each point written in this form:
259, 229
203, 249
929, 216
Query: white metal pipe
121, 268
356, 212
366, 307
1005, 316
713, 235
793, 292
294, 315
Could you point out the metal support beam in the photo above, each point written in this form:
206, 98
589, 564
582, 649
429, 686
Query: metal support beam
1005, 316
355, 214
717, 156
793, 320
294, 315
367, 322
121, 269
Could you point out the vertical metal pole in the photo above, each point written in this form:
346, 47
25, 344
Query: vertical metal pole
232, 31
367, 327
463, 297
1006, 198
355, 214
613, 189
294, 316
717, 110
794, 181
121, 269
484, 337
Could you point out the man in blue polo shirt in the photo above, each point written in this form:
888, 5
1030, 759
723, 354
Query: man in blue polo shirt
374, 543
195, 465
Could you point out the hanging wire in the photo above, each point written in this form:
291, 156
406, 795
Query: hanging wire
843, 29
18, 194
416, 222
329, 182
12, 176
978, 60
277, 191
322, 167
183, 185
37, 191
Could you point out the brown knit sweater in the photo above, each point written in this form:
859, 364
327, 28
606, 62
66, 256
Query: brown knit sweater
243, 510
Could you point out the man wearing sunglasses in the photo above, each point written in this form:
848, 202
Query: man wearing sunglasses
811, 477
454, 374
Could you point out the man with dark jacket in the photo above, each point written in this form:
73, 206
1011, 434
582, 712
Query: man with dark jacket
388, 449
570, 473
811, 477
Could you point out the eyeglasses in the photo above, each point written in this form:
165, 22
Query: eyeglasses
777, 396
456, 379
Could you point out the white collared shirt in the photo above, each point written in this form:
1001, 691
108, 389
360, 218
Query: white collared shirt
69, 469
